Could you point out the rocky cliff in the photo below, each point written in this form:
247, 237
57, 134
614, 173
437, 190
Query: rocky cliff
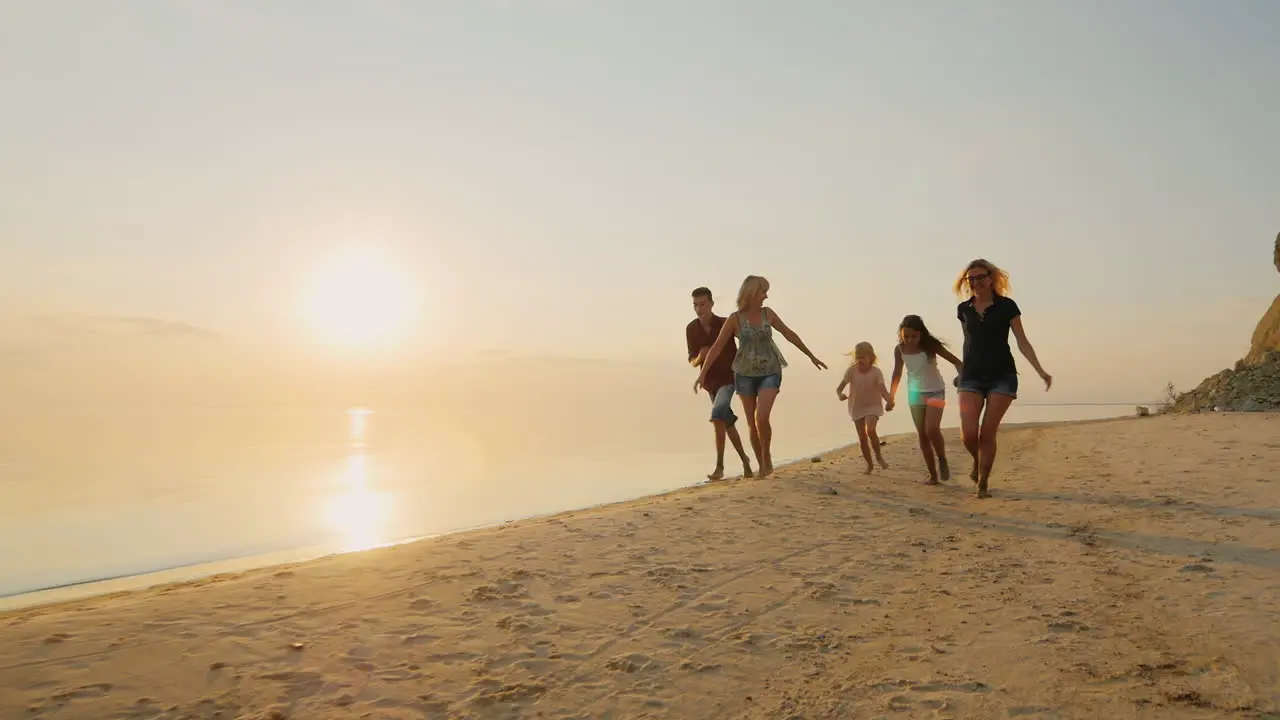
1254, 384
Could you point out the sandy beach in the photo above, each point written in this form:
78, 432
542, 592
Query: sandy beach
1123, 569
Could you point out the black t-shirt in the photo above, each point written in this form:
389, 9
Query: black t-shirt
987, 355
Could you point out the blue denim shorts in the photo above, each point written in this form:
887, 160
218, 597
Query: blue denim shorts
1006, 385
722, 406
749, 386
929, 398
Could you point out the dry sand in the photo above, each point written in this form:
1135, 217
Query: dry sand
1123, 569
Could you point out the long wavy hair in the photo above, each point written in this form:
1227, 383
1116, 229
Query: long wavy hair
999, 278
928, 341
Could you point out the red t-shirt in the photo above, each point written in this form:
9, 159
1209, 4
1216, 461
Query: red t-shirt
721, 371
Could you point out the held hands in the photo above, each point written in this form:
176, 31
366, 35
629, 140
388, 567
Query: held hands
888, 407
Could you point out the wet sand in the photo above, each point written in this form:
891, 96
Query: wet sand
1123, 569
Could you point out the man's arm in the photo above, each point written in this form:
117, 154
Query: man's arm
696, 353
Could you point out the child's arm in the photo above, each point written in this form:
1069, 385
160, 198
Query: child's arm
897, 373
947, 355
844, 381
884, 393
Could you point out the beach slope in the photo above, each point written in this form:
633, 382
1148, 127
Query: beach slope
1126, 568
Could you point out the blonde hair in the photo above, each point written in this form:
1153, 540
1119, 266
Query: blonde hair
752, 287
862, 348
999, 278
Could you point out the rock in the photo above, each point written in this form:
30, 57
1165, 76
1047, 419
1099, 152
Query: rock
827, 491
1253, 385
1254, 388
1266, 335
1143, 411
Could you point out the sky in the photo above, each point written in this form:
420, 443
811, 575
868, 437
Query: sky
551, 178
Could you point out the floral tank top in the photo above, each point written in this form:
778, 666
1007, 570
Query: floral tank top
758, 355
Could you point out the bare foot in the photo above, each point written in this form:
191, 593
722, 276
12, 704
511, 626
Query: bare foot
870, 468
933, 480
766, 470
717, 475
884, 465
983, 492
746, 471
944, 469
973, 474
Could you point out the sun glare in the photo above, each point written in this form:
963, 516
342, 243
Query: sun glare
359, 300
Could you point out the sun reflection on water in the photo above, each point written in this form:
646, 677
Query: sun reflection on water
359, 512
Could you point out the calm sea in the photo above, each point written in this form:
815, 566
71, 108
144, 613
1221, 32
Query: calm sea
96, 493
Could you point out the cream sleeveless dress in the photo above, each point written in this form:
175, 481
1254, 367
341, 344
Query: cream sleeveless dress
864, 393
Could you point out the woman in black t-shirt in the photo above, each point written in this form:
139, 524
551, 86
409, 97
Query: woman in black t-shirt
990, 377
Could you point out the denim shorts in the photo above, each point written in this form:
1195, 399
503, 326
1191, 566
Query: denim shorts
749, 386
722, 406
1005, 385
929, 398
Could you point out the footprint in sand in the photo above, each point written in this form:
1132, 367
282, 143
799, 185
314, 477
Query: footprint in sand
713, 604
681, 633
423, 604
84, 692
502, 590
631, 663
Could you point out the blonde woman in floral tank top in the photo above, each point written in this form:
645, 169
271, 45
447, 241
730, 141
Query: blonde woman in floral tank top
757, 368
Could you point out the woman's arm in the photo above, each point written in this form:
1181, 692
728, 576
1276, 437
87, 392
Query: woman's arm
1029, 352
792, 337
727, 331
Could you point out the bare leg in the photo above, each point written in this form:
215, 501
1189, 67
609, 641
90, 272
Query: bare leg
720, 431
933, 429
919, 415
749, 409
864, 442
874, 439
736, 439
997, 406
970, 413
764, 410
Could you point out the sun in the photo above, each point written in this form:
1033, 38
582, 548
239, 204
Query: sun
358, 299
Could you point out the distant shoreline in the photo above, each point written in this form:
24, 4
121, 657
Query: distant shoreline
179, 574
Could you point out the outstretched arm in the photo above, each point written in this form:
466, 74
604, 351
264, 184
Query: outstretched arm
793, 338
897, 373
727, 331
1029, 352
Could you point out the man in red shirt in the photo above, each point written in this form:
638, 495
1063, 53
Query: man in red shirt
700, 335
